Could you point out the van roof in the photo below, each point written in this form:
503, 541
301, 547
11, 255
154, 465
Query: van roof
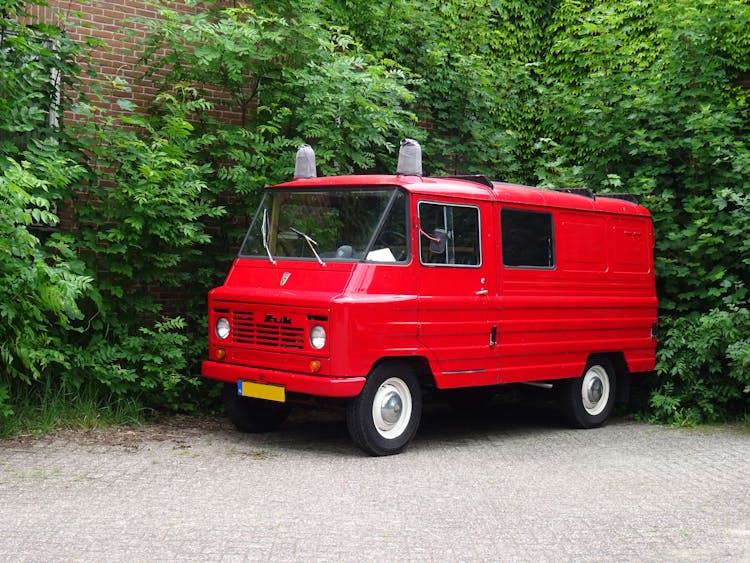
478, 188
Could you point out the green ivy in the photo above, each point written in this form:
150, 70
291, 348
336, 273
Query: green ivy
476, 64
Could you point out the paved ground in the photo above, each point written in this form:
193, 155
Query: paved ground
505, 487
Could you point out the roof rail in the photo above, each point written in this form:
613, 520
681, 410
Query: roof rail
585, 192
626, 197
477, 178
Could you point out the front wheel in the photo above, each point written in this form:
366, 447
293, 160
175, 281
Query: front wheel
587, 401
383, 419
253, 415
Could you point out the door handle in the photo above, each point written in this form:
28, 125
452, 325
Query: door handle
481, 292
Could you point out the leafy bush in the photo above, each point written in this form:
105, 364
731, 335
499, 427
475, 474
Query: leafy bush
40, 285
42, 281
79, 310
141, 224
706, 362
130, 361
142, 216
617, 96
290, 79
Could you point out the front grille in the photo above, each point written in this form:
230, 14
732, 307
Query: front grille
245, 330
279, 336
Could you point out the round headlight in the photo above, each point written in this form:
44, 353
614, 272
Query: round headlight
317, 337
222, 328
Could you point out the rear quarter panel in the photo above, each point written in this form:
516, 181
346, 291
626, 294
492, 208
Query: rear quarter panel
599, 298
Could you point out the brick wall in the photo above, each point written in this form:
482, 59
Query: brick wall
111, 22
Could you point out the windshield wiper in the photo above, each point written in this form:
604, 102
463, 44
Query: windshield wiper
264, 235
311, 243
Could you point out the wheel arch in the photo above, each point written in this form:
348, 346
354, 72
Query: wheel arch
622, 373
419, 364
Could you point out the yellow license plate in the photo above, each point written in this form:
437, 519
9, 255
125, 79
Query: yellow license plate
261, 391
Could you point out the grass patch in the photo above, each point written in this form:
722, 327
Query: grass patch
43, 408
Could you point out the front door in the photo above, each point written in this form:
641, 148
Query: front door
455, 287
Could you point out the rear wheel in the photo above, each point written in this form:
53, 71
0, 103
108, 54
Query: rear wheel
383, 419
587, 401
253, 415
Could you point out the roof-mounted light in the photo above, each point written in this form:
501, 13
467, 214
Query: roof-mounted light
409, 158
304, 165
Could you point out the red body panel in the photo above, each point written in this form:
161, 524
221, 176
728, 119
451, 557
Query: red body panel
480, 325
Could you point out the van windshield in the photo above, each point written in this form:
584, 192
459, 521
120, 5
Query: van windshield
330, 224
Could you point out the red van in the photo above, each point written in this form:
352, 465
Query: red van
373, 289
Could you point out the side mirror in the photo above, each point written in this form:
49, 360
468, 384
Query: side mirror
438, 240
344, 251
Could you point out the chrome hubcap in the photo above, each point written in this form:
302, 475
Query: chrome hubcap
595, 390
391, 408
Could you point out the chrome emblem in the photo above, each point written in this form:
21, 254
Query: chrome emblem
285, 278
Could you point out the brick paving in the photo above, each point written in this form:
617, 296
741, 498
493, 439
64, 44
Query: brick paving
502, 487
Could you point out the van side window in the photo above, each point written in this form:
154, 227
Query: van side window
527, 239
449, 235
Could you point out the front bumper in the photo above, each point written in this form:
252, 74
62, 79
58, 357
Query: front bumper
320, 386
